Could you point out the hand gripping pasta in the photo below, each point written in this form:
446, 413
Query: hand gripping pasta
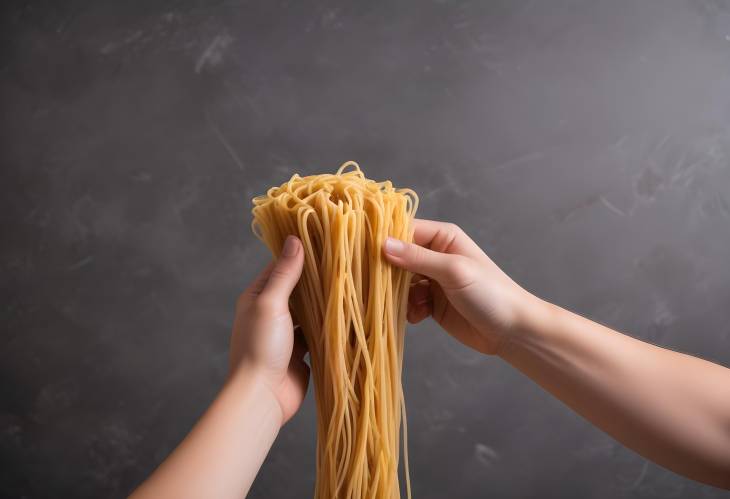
351, 305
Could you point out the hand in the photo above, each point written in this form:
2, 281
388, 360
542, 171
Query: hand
459, 285
263, 339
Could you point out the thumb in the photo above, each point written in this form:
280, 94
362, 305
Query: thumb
418, 259
285, 273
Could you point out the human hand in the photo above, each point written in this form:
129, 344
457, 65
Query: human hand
263, 341
457, 284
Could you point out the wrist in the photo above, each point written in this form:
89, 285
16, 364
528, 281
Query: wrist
531, 323
249, 381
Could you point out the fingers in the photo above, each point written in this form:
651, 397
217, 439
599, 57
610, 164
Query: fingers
414, 258
284, 274
416, 313
419, 292
444, 237
418, 259
417, 278
419, 300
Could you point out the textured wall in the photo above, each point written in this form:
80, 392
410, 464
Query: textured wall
584, 145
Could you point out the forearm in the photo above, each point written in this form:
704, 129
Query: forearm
672, 408
222, 454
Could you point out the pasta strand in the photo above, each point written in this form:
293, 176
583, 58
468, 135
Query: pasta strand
351, 307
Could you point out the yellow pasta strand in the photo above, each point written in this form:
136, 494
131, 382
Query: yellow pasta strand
351, 305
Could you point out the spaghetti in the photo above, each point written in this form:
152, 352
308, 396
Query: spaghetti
351, 305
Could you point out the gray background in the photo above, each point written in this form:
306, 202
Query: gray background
584, 145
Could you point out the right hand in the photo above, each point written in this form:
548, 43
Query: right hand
457, 284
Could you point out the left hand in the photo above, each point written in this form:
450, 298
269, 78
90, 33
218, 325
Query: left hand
263, 340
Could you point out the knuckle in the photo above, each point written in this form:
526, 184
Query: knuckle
447, 235
460, 270
453, 229
417, 254
454, 233
454, 266
278, 273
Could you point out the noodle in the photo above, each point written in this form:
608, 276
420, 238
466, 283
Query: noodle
351, 305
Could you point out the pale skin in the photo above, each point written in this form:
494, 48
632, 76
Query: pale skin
672, 408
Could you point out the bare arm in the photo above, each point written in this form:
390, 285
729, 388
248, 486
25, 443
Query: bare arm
672, 408
267, 381
224, 451
669, 407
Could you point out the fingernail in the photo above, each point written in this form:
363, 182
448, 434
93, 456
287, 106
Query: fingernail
290, 247
394, 246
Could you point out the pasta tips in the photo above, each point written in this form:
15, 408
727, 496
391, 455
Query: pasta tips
351, 306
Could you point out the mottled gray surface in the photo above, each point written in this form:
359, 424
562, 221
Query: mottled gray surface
584, 144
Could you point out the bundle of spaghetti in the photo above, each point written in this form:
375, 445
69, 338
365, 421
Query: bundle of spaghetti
350, 305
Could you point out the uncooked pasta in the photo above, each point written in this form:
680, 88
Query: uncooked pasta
350, 304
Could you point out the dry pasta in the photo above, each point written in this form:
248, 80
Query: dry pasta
351, 305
